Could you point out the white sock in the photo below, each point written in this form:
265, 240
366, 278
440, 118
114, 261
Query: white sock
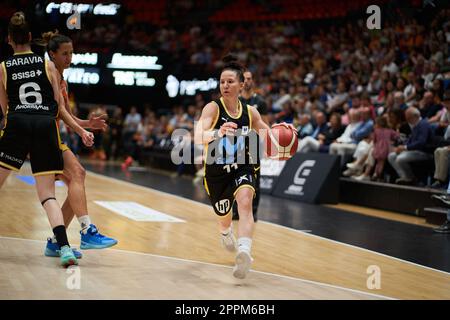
85, 222
245, 244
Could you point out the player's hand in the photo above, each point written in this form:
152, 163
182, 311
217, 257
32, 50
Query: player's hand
98, 123
87, 138
228, 128
289, 126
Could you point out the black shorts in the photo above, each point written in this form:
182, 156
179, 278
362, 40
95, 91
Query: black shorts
222, 189
36, 135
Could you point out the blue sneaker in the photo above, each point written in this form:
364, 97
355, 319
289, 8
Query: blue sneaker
67, 257
52, 250
94, 240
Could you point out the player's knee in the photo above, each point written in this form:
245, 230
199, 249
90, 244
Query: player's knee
245, 204
79, 173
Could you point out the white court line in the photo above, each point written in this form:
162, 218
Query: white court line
228, 267
273, 224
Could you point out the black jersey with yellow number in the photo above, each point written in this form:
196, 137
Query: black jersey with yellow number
28, 85
227, 154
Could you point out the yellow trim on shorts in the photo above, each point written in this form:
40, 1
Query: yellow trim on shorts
244, 186
226, 214
62, 146
206, 186
256, 169
5, 78
46, 70
45, 173
7, 166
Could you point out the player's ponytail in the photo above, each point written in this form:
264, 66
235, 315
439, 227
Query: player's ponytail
53, 40
18, 28
231, 63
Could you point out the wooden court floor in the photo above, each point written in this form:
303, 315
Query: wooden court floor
185, 260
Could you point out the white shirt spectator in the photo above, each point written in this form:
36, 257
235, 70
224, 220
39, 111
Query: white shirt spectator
132, 122
392, 68
346, 136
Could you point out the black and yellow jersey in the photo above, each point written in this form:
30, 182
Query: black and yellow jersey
227, 154
28, 86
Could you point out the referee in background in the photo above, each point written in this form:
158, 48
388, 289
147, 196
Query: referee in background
250, 97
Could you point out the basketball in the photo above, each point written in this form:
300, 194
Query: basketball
281, 142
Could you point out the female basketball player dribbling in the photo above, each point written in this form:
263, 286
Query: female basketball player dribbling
60, 50
226, 179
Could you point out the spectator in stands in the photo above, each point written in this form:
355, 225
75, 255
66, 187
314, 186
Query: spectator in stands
287, 114
444, 199
399, 101
323, 140
337, 101
429, 106
98, 149
442, 153
374, 85
361, 136
115, 134
130, 129
383, 139
414, 149
410, 91
432, 75
397, 121
305, 127
345, 144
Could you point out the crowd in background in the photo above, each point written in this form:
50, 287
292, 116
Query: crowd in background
377, 98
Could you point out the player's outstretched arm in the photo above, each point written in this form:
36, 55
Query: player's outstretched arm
87, 137
95, 123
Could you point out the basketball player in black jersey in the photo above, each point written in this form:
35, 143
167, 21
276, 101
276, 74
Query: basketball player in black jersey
30, 100
224, 128
250, 97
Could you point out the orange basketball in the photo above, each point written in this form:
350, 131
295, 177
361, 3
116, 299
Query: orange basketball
281, 142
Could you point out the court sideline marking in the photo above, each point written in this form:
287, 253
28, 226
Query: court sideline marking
270, 223
228, 267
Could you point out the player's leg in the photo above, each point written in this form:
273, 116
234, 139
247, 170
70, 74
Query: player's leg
257, 194
52, 248
4, 173
76, 204
221, 196
244, 198
255, 199
226, 232
13, 147
45, 186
